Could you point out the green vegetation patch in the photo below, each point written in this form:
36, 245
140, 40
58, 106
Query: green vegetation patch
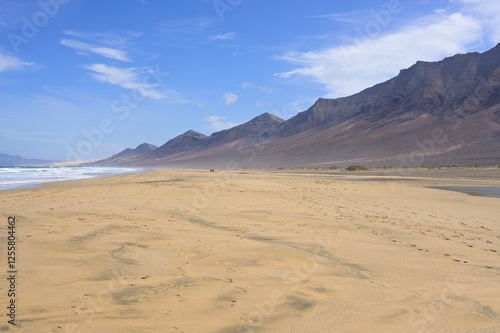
357, 168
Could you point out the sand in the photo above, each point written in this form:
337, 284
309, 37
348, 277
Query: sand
254, 251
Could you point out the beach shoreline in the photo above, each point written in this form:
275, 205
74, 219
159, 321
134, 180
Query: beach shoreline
19, 177
256, 251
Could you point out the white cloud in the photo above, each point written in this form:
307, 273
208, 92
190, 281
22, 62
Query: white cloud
217, 123
184, 32
109, 45
226, 36
265, 89
119, 39
347, 69
246, 84
128, 78
135, 79
488, 13
85, 48
125, 77
185, 26
9, 63
168, 96
351, 17
230, 98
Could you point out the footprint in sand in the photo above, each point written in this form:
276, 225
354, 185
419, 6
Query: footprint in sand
229, 306
240, 290
165, 315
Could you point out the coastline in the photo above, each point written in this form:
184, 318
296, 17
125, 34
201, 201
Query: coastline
254, 250
32, 177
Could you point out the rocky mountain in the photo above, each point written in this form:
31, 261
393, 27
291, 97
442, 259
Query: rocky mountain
445, 112
10, 160
251, 130
139, 150
184, 143
127, 153
191, 143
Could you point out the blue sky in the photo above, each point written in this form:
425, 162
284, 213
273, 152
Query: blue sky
87, 79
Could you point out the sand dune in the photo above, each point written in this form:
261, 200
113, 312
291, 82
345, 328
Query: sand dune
254, 251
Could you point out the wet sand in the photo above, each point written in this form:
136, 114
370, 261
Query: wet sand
255, 251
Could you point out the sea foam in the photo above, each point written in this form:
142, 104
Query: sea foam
22, 177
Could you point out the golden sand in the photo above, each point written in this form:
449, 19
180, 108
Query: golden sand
252, 251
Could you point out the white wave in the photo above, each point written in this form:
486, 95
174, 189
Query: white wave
19, 177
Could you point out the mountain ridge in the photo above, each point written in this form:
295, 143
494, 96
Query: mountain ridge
7, 160
458, 97
141, 149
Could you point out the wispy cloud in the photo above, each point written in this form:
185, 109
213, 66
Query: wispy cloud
10, 63
229, 98
125, 77
226, 36
128, 78
172, 97
136, 79
267, 90
184, 32
85, 48
264, 89
217, 123
121, 38
185, 26
246, 84
351, 17
357, 65
108, 45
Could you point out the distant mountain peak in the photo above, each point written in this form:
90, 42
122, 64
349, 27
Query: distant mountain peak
192, 133
140, 149
267, 117
184, 141
146, 146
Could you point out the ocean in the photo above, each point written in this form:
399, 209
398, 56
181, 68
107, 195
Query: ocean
23, 177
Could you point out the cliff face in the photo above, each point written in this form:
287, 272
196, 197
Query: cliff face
434, 88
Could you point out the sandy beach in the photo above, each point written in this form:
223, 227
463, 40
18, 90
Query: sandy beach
255, 251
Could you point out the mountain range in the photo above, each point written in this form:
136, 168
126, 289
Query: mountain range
10, 160
433, 113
